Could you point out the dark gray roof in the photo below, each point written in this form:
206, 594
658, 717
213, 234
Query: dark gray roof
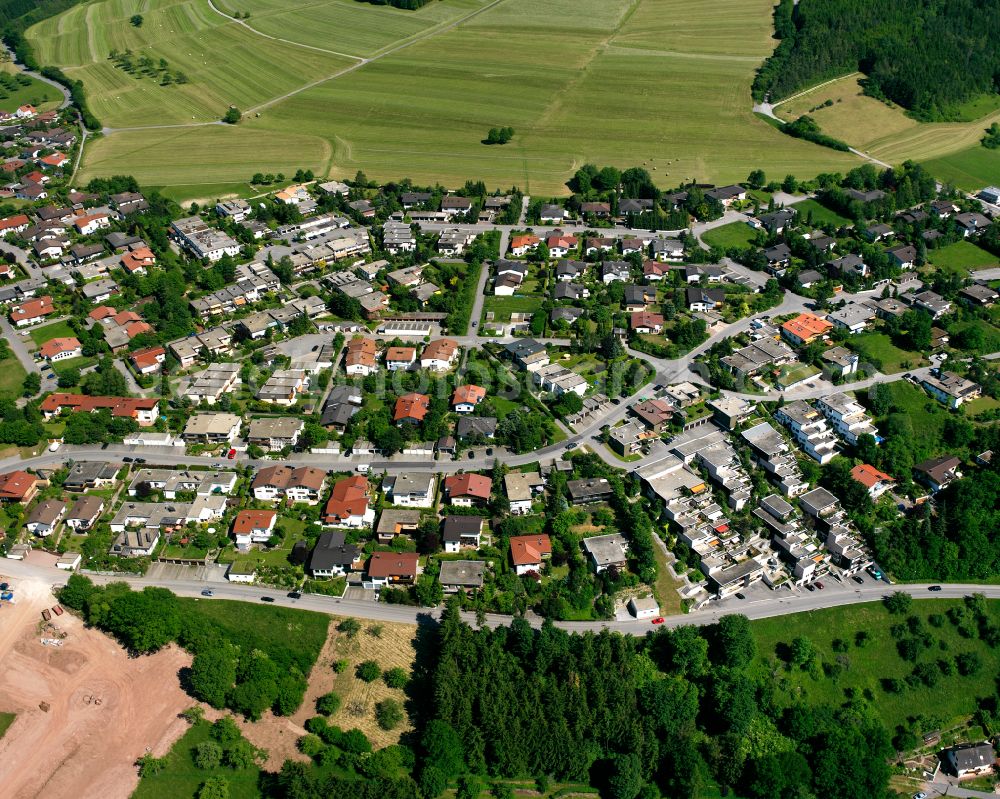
455, 527
331, 550
468, 426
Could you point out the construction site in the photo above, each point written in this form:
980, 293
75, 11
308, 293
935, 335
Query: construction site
85, 711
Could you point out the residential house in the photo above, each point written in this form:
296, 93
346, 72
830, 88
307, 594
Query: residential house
978, 295
349, 505
360, 357
699, 299
392, 568
950, 388
144, 411
465, 398
971, 223
903, 255
967, 760
303, 484
528, 354
655, 414
462, 575
607, 551
333, 556
646, 322
615, 270
411, 490
253, 527
520, 488
523, 244
841, 360
394, 522
588, 490
461, 532
854, 317
411, 408
876, 482
847, 416
212, 428
84, 513
809, 429
552, 214
560, 245
18, 486
274, 433
476, 428
45, 516
32, 312
805, 328
934, 304
528, 552
61, 349
849, 265
937, 473
400, 358
467, 489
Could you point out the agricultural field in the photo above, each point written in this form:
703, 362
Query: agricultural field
885, 132
435, 82
961, 257
222, 62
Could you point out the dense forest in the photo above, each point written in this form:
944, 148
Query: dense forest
668, 715
928, 56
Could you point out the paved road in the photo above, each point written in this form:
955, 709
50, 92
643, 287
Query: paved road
777, 605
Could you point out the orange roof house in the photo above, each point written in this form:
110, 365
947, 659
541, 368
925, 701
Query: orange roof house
411, 408
31, 311
149, 359
248, 522
524, 242
58, 348
877, 482
393, 567
805, 327
348, 503
528, 551
102, 312
466, 398
144, 411
17, 486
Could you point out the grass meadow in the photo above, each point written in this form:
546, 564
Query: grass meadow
961, 257
662, 83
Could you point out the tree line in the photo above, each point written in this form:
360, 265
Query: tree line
906, 49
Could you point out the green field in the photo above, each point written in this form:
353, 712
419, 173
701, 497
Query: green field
181, 778
42, 95
878, 348
503, 307
735, 234
668, 80
48, 332
12, 375
970, 169
6, 719
821, 215
953, 696
961, 257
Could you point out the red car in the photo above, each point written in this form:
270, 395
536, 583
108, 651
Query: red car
820, 586
658, 620
232, 454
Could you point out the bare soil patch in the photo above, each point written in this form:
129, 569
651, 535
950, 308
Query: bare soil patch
103, 708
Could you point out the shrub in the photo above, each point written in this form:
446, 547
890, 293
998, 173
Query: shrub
898, 603
311, 745
207, 755
389, 715
349, 627
396, 677
225, 730
368, 671
328, 704
340, 666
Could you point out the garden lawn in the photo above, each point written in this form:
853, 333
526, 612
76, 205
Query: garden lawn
879, 350
48, 332
821, 215
503, 307
12, 375
864, 668
181, 778
961, 257
735, 234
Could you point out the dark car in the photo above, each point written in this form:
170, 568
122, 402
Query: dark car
810, 587
820, 586
934, 588
571, 445
127, 460
294, 595
472, 455
616, 401
140, 460
740, 595
489, 450
208, 592
858, 579
267, 599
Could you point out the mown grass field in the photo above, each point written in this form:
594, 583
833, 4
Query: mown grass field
37, 93
878, 347
865, 667
664, 83
735, 234
961, 257
346, 26
951, 150
48, 332
820, 214
12, 375
225, 64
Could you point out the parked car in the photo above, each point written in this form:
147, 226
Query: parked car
934, 588
658, 620
208, 592
858, 579
231, 454
740, 595
820, 586
294, 595
810, 587
267, 599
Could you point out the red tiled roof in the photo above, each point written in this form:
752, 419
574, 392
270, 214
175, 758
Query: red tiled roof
869, 476
470, 394
32, 309
14, 221
15, 485
57, 346
807, 326
476, 486
148, 357
348, 498
392, 564
411, 406
527, 550
119, 406
645, 319
102, 312
247, 521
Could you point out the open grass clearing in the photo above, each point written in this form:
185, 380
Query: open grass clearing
12, 375
735, 234
180, 776
864, 668
970, 168
48, 332
423, 111
6, 719
503, 307
819, 214
43, 96
961, 257
878, 349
